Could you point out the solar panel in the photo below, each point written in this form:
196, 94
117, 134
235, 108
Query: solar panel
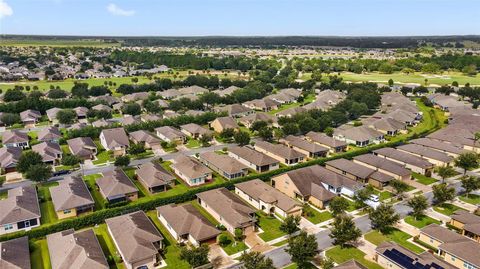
407, 262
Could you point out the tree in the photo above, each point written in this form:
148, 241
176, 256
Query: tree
338, 205
329, 131
344, 231
227, 133
259, 124
302, 248
290, 128
443, 193
290, 224
57, 94
10, 119
195, 256
27, 159
13, 95
66, 116
238, 233
137, 148
418, 204
39, 172
266, 134
205, 140
223, 240
255, 260
383, 217
70, 160
363, 195
390, 82
466, 161
326, 263
399, 186
241, 138
470, 183
445, 172
132, 109
122, 161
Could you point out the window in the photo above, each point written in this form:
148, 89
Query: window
67, 211
27, 223
8, 227
453, 258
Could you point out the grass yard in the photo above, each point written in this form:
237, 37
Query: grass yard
446, 209
294, 266
397, 236
423, 179
473, 199
193, 143
316, 217
108, 247
46, 205
421, 222
103, 157
281, 243
383, 195
130, 172
341, 255
97, 196
270, 226
39, 256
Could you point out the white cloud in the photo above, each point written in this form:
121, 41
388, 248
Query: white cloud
116, 10
5, 9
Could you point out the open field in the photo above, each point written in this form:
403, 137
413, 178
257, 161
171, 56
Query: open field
58, 43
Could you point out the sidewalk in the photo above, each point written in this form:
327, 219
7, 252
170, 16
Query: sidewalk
367, 247
462, 204
409, 229
219, 258
434, 214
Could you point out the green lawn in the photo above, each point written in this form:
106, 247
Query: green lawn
270, 226
421, 221
103, 156
46, 206
39, 256
108, 246
423, 179
310, 98
473, 199
97, 196
294, 266
446, 209
341, 255
142, 192
281, 243
383, 195
193, 143
397, 236
316, 217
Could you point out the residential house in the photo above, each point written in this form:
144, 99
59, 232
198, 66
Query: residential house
192, 90
115, 140
461, 253
154, 177
268, 199
281, 153
137, 240
383, 165
290, 112
283, 98
81, 112
169, 94
227, 91
171, 135
388, 126
331, 143
222, 123
412, 162
186, 224
434, 235
20, 210
224, 165
307, 148
248, 121
234, 110
447, 148
265, 104
30, 117
9, 158
15, 254
115, 186
129, 120
192, 171
82, 147
71, 197
149, 140
359, 136
255, 160
135, 96
228, 209
49, 134
77, 126
15, 139
468, 223
350, 264
52, 114
325, 100
51, 152
101, 123
101, 107
433, 156
70, 249
150, 117
195, 131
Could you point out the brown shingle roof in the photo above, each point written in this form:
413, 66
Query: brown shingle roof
144, 136
384, 164
403, 157
9, 157
467, 250
115, 183
323, 139
15, 254
190, 166
300, 143
153, 174
442, 234
71, 192
49, 133
227, 122
223, 162
351, 264
426, 152
20, 204
115, 137
14, 136
279, 150
48, 150
81, 146
253, 156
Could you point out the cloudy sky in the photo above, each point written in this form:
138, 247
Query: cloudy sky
240, 17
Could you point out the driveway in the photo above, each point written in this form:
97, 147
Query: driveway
218, 257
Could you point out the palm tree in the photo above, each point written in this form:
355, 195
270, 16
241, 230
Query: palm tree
445, 172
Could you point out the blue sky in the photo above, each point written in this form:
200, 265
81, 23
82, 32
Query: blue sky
240, 17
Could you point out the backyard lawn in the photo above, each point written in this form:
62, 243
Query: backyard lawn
39, 256
92, 187
421, 221
341, 255
473, 199
46, 206
130, 172
270, 226
108, 247
446, 209
423, 179
397, 236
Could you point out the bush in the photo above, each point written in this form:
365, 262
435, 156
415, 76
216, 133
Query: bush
223, 240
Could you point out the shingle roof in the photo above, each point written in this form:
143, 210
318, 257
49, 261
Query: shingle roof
115, 137
144, 136
279, 150
234, 109
250, 119
30, 114
426, 152
439, 145
170, 132
223, 162
326, 140
48, 150
14, 136
71, 192
403, 157
300, 143
252, 156
9, 156
190, 166
351, 168
81, 146
384, 164
153, 174
20, 204
15, 254
351, 264
194, 128
115, 183
471, 221
227, 122
466, 250
442, 234
49, 133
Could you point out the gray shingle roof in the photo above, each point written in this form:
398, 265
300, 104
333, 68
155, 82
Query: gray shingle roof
71, 192
20, 204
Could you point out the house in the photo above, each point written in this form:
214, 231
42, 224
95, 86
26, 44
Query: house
51, 152
82, 147
137, 240
383, 165
412, 162
331, 143
71, 197
248, 120
468, 223
195, 131
359, 136
20, 210
154, 177
281, 153
433, 156
49, 134
135, 96
325, 100
129, 120
226, 91
100, 123
15, 139
52, 114
222, 123
461, 254
77, 126
102, 107
225, 165
315, 184
192, 90
9, 158
255, 160
350, 264
447, 148
150, 117
70, 249
15, 254
434, 235
171, 135
359, 172
391, 255
81, 112
169, 94
186, 224
191, 170
307, 148
445, 102
234, 110
115, 140
389, 126
30, 117
290, 112
264, 104
264, 197
115, 186
283, 98
149, 140
228, 209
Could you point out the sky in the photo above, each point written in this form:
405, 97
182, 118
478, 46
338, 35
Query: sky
240, 17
